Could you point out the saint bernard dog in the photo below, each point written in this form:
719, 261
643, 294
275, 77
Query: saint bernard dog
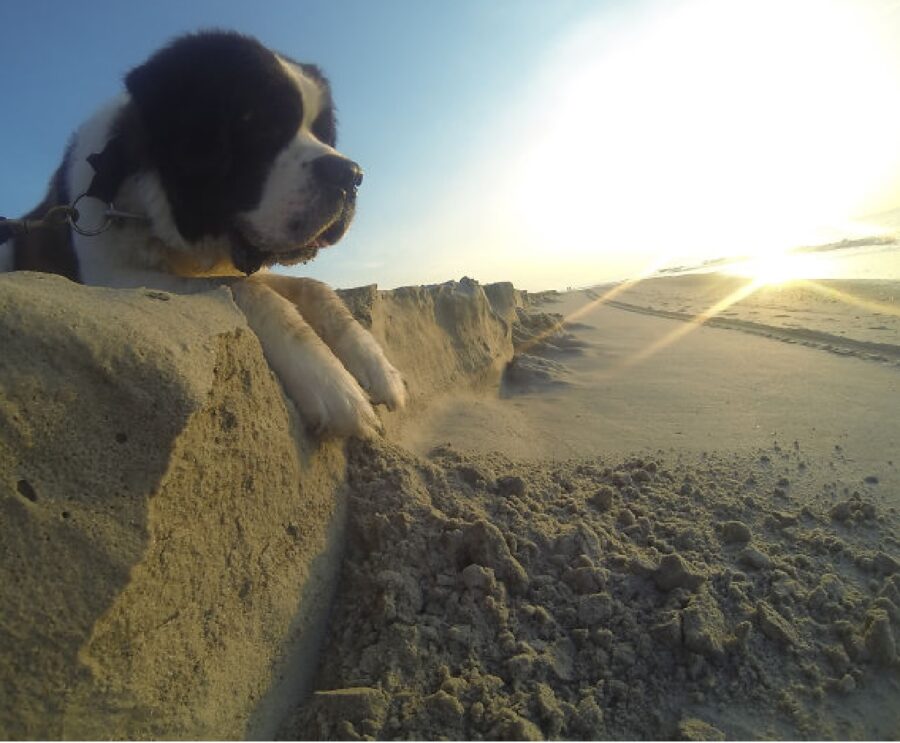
217, 162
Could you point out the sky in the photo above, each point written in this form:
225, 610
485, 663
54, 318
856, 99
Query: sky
551, 144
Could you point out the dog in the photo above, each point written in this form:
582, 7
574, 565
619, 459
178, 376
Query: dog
217, 162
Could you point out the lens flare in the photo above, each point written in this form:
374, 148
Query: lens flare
781, 268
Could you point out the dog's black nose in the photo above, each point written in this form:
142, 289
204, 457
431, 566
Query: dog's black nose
335, 170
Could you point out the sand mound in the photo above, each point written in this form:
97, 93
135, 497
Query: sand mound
162, 517
443, 337
658, 596
169, 533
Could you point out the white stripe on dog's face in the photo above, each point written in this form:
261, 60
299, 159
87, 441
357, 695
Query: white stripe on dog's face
310, 92
293, 209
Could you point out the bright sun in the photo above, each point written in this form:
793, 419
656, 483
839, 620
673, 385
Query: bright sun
717, 129
780, 268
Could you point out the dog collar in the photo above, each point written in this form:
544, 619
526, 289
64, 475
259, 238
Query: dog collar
111, 167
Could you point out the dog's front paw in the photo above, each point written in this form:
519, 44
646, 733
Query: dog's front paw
388, 387
327, 396
332, 403
366, 361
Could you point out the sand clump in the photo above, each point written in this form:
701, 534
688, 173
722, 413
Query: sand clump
669, 596
542, 341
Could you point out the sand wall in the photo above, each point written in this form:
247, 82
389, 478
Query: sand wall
169, 533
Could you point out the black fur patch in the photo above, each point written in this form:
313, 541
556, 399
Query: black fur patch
216, 109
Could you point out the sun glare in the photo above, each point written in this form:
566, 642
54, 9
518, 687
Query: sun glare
781, 268
714, 129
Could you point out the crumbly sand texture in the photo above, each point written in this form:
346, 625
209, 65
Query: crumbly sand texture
665, 595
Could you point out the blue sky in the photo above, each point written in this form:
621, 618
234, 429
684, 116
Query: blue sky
457, 110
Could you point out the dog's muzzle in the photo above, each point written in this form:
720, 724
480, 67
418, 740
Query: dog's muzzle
338, 179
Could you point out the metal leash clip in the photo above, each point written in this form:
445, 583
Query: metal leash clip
110, 214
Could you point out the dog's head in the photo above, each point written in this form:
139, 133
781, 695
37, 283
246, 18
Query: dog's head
242, 141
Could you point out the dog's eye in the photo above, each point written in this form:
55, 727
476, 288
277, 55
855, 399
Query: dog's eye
244, 123
247, 120
256, 132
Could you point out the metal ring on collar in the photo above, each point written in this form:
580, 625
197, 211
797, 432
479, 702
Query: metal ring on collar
75, 216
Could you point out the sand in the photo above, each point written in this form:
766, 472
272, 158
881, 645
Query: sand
170, 531
596, 598
698, 542
836, 311
641, 382
157, 530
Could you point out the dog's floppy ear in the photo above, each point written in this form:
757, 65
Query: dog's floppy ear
177, 96
203, 64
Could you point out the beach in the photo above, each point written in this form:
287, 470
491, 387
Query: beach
609, 513
630, 380
655, 528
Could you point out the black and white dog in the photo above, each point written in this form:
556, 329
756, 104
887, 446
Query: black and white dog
223, 154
